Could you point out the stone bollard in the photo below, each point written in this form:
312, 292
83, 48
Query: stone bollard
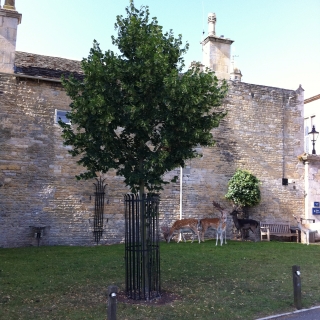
296, 286
112, 303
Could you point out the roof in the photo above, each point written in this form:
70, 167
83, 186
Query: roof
317, 97
36, 65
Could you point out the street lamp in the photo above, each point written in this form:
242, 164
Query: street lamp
313, 134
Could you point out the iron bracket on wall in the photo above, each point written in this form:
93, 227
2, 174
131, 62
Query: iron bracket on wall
98, 209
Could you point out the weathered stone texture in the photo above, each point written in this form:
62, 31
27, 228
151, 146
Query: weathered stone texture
9, 21
262, 133
312, 168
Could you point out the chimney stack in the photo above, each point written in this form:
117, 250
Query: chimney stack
9, 21
216, 50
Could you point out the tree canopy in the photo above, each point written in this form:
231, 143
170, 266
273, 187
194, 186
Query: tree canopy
243, 189
135, 111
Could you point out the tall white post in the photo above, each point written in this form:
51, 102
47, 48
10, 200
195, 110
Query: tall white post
306, 188
180, 198
180, 193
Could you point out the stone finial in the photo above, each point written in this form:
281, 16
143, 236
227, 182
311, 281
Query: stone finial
299, 90
9, 5
216, 51
212, 24
236, 75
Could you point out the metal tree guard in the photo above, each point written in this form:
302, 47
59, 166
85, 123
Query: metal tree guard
142, 255
98, 209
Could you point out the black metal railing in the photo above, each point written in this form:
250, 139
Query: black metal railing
142, 254
98, 209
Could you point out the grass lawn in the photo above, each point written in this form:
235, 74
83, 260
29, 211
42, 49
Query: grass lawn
241, 280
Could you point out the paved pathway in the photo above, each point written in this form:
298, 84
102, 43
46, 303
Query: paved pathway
304, 314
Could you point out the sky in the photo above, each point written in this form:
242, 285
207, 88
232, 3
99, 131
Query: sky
276, 42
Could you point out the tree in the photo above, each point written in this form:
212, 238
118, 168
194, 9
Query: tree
243, 189
134, 111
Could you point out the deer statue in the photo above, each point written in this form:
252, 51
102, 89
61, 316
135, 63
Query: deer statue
244, 224
306, 228
181, 226
218, 224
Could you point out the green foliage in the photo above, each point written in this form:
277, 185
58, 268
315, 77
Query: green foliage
243, 189
135, 112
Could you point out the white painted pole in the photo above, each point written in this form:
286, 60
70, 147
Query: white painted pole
306, 198
306, 187
180, 193
180, 199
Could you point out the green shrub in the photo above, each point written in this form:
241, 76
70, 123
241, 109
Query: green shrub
243, 189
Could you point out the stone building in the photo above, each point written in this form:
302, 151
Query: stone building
263, 133
311, 160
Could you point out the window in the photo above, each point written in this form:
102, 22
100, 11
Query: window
61, 115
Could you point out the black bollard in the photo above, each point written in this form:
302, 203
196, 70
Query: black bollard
296, 286
112, 303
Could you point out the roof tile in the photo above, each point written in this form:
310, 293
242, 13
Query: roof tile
45, 66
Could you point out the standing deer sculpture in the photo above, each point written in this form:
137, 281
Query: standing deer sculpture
244, 224
307, 227
218, 224
181, 226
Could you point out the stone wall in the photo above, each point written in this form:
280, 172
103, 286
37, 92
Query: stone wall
38, 175
312, 182
262, 133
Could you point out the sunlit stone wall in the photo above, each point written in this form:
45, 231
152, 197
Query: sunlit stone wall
262, 133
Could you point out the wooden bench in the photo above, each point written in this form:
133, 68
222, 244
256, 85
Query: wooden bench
277, 229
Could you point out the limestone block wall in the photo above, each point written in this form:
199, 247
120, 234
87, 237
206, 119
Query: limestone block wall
262, 133
37, 175
312, 166
314, 193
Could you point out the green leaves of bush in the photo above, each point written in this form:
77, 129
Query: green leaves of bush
243, 189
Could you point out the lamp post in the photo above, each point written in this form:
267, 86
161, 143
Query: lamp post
313, 134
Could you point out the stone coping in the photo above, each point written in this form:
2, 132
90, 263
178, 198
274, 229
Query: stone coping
309, 157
